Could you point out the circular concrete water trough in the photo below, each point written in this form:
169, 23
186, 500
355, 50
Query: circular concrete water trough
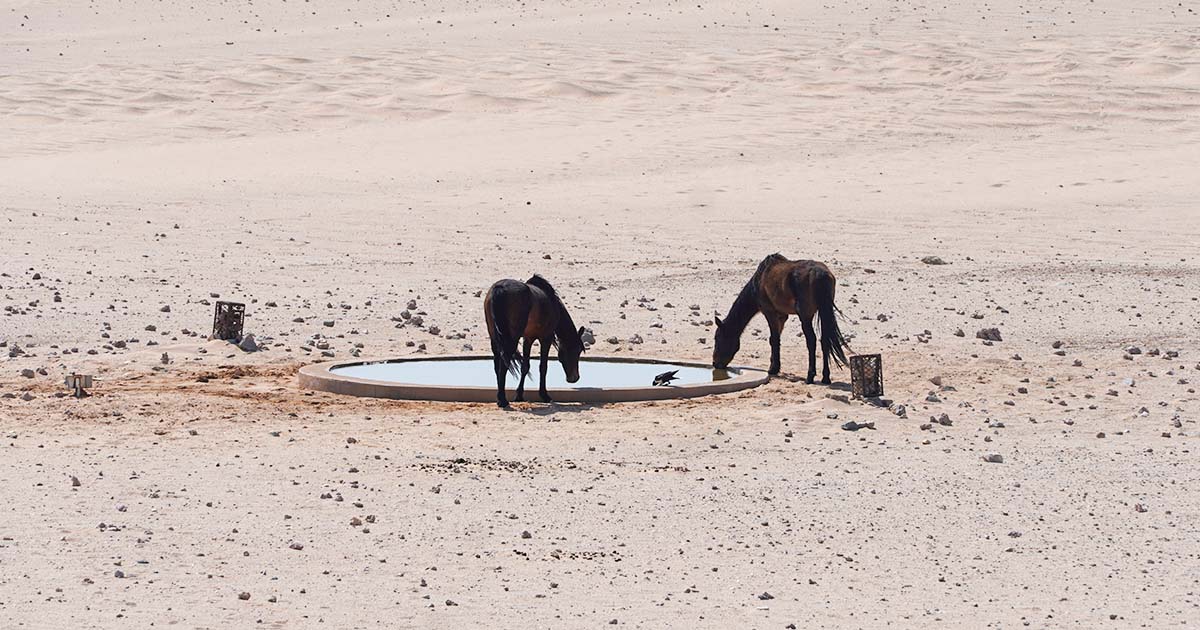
470, 378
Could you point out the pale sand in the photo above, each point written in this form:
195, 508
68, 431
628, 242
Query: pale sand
367, 153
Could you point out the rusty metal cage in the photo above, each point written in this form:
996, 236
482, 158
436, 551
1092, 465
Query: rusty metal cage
228, 319
866, 375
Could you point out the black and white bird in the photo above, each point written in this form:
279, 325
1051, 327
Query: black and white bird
664, 379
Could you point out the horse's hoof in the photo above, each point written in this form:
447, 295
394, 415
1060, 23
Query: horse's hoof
519, 398
546, 398
825, 381
503, 404
809, 380
773, 372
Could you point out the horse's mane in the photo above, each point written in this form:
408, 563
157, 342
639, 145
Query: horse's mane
544, 285
565, 322
745, 307
766, 263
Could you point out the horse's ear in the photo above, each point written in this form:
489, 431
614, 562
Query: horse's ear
581, 331
717, 318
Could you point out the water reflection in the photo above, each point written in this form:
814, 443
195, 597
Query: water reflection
479, 373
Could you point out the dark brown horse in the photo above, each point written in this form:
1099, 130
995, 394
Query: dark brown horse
531, 310
782, 287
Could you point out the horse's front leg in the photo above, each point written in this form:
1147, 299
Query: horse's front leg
810, 338
542, 367
775, 321
526, 347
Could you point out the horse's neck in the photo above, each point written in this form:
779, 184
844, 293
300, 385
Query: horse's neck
744, 308
566, 326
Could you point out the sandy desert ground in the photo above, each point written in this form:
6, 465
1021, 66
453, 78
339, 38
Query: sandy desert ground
329, 162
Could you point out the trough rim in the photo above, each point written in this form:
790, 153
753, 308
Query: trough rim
320, 377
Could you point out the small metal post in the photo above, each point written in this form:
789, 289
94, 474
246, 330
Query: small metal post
228, 318
78, 384
866, 375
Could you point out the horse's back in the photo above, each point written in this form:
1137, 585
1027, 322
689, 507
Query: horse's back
786, 284
810, 271
507, 285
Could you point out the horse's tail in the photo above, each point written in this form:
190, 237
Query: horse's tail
503, 345
832, 341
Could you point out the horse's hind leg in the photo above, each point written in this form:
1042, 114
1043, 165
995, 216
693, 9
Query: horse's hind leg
825, 357
525, 350
543, 365
501, 376
810, 338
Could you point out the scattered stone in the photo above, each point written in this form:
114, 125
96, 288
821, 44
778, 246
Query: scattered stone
166, 308
248, 344
933, 260
994, 458
243, 596
989, 334
854, 426
28, 373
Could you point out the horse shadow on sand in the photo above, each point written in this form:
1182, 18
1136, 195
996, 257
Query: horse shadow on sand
799, 378
555, 408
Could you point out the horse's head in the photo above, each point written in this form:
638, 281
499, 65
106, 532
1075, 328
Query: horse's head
569, 350
725, 346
